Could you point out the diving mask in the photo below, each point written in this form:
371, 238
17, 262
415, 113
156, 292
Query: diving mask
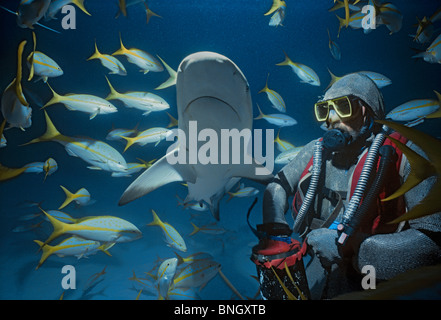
343, 106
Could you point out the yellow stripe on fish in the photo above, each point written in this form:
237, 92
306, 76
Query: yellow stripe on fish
280, 120
142, 59
305, 73
116, 67
73, 246
45, 63
42, 65
145, 101
83, 103
196, 274
172, 236
275, 98
434, 44
97, 153
98, 228
157, 134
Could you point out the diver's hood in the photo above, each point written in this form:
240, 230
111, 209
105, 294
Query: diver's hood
359, 85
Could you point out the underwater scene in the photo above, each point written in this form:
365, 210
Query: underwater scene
89, 103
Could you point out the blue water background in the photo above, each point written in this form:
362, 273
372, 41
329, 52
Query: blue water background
236, 29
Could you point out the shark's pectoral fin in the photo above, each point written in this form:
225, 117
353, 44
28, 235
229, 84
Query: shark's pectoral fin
159, 174
255, 172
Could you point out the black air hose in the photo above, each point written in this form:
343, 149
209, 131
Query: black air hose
387, 159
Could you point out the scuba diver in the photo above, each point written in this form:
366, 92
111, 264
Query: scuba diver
337, 183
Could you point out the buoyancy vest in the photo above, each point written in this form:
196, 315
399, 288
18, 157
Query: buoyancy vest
386, 211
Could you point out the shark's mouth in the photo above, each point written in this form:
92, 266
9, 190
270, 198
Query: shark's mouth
215, 98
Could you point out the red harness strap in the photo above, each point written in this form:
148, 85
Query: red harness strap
278, 253
389, 210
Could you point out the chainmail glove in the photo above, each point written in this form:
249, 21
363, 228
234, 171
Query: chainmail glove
324, 244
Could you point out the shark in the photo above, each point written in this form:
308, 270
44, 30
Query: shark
212, 91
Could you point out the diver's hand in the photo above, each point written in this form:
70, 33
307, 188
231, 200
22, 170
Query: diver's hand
324, 244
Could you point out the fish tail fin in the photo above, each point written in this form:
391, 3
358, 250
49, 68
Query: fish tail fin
121, 50
31, 58
180, 201
96, 55
156, 221
173, 122
231, 196
104, 248
47, 251
69, 198
59, 228
277, 139
113, 93
150, 13
276, 5
347, 13
122, 7
337, 5
438, 95
18, 88
50, 134
261, 115
334, 79
80, 4
130, 142
341, 23
196, 229
56, 98
45, 175
145, 163
285, 62
180, 259
265, 89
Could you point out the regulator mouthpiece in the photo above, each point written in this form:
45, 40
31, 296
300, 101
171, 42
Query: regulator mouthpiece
335, 139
